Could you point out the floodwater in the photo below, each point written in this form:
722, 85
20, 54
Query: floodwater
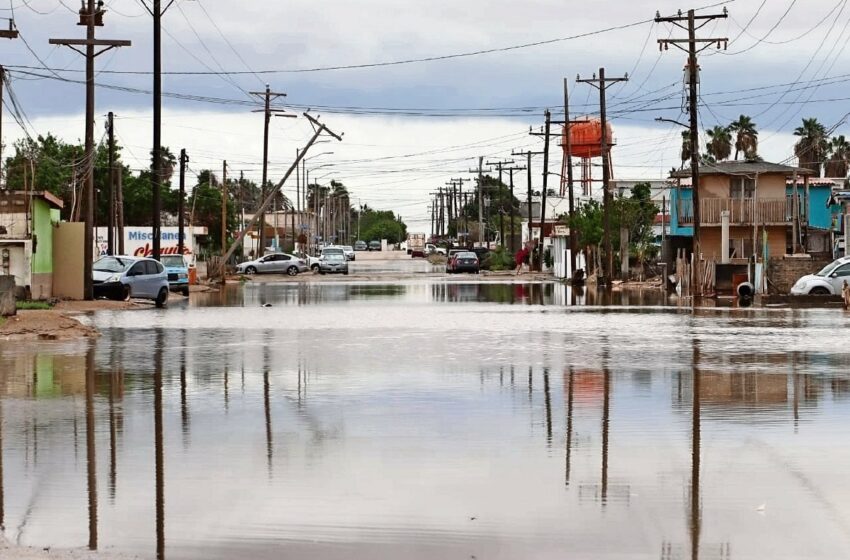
430, 419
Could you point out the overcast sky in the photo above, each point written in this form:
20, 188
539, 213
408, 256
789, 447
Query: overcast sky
449, 111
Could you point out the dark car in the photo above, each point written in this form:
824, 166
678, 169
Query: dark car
466, 261
361, 246
450, 258
374, 245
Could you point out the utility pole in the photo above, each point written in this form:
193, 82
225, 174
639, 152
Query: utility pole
568, 163
181, 205
530, 209
601, 83
480, 172
692, 41
511, 170
500, 166
11, 33
90, 17
110, 220
223, 208
120, 203
454, 190
268, 96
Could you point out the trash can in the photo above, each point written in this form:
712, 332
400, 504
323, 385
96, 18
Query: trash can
193, 276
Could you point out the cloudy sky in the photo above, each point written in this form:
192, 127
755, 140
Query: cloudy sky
411, 127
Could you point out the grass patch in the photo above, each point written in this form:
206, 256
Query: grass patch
33, 306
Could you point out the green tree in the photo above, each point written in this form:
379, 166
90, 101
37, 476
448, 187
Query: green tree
720, 144
746, 137
381, 224
813, 146
839, 157
205, 208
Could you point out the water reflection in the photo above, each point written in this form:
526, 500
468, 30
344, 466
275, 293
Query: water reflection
408, 433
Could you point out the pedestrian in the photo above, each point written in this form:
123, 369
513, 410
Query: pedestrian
520, 260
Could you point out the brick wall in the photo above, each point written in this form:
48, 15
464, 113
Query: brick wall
783, 272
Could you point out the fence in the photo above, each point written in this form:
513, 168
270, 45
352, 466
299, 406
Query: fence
763, 211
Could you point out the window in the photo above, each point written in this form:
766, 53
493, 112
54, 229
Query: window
282, 258
742, 187
137, 270
842, 271
152, 267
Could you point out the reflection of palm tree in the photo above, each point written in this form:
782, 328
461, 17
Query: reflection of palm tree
746, 137
813, 146
720, 145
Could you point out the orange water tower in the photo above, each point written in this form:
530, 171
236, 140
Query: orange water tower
585, 142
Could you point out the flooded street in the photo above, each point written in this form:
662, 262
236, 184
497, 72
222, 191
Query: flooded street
432, 419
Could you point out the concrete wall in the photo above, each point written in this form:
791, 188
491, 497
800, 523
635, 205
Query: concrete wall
68, 259
783, 272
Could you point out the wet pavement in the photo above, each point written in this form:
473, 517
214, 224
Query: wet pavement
433, 419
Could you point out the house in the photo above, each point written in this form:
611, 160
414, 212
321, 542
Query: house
824, 213
26, 239
756, 198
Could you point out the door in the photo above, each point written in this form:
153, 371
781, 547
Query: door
153, 277
265, 264
281, 263
136, 280
838, 277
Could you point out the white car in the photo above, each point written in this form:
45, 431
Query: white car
280, 263
349, 252
829, 281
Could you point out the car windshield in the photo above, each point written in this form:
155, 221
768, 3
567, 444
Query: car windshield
113, 264
335, 257
174, 261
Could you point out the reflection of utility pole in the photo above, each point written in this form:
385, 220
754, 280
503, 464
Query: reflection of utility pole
91, 457
569, 444
159, 443
268, 97
693, 78
696, 518
601, 83
90, 17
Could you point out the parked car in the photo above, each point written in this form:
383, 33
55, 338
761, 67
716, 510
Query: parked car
431, 249
279, 263
349, 252
178, 273
466, 261
451, 257
314, 262
333, 264
374, 245
829, 281
361, 246
123, 278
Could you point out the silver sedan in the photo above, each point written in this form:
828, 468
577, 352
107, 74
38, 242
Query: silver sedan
276, 263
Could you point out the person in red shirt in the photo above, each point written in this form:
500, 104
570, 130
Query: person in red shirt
520, 260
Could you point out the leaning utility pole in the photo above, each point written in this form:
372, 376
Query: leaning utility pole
268, 96
110, 220
181, 204
223, 207
90, 17
500, 165
319, 129
693, 77
601, 83
11, 33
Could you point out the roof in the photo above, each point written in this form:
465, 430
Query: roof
51, 198
742, 168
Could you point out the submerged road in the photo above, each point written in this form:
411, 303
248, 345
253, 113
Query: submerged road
432, 419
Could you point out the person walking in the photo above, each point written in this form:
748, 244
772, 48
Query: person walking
520, 257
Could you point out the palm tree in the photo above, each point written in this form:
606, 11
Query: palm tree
686, 147
746, 137
839, 160
813, 146
720, 145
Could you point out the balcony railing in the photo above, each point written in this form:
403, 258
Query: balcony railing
742, 211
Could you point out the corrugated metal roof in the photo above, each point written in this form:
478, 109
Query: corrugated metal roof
742, 168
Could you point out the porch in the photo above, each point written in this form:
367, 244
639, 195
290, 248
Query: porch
742, 211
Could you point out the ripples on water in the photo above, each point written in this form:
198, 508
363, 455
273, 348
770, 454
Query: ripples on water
433, 420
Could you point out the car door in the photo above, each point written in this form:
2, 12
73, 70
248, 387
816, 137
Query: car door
265, 264
281, 263
135, 279
838, 277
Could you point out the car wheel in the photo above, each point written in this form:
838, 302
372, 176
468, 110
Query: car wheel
126, 293
819, 291
162, 299
292, 270
315, 268
185, 291
251, 270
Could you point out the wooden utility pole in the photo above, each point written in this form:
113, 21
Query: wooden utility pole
181, 204
90, 17
223, 208
110, 220
500, 165
568, 163
120, 203
528, 155
11, 33
601, 83
690, 20
268, 96
511, 170
480, 172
